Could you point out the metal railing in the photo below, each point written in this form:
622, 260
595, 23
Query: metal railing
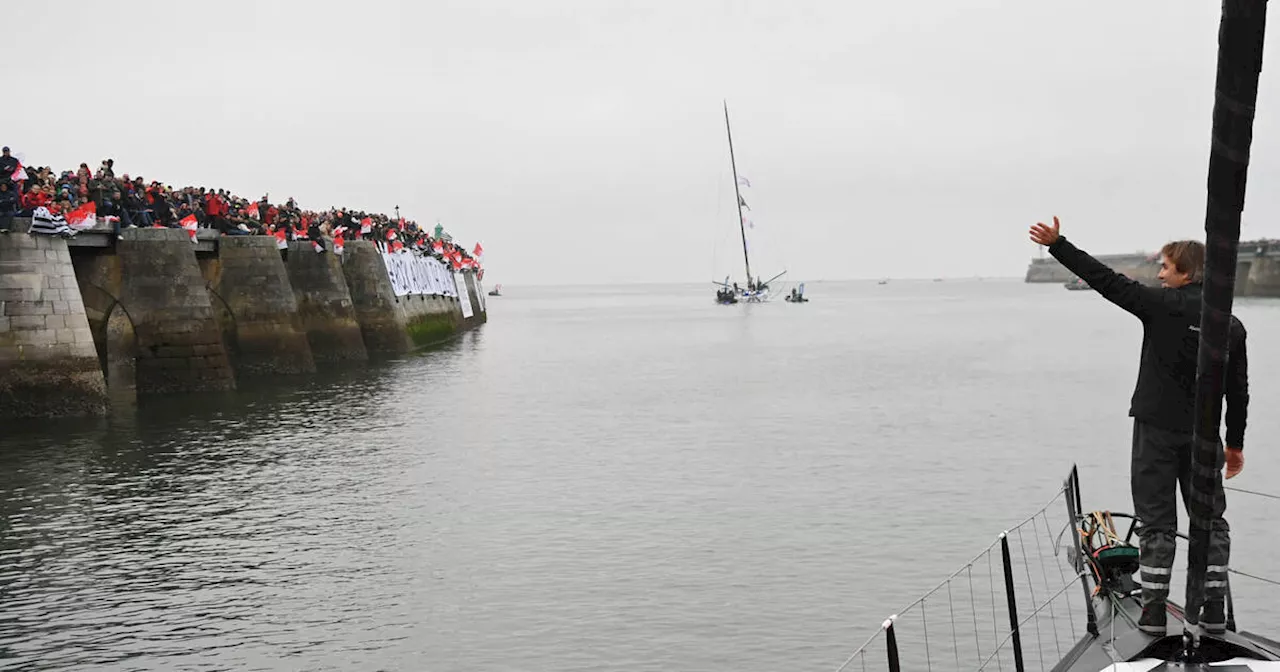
970, 621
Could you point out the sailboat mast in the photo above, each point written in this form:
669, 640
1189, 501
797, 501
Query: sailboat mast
742, 227
1240, 50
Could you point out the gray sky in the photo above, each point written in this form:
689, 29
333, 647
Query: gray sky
583, 141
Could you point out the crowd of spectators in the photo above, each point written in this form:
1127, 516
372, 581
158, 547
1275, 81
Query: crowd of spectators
126, 201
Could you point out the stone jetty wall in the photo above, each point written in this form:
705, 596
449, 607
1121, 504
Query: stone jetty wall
1137, 266
377, 308
324, 305
253, 298
1257, 268
179, 345
151, 313
48, 364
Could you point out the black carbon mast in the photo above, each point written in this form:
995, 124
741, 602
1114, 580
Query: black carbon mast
1240, 40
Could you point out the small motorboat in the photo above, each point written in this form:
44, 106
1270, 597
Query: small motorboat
796, 296
496, 291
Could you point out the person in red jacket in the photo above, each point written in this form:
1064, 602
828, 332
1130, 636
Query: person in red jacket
36, 198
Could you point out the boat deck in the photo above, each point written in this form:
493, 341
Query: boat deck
1120, 640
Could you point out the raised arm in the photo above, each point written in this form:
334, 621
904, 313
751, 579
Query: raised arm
1127, 293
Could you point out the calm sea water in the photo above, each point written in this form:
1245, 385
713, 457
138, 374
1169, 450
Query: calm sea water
599, 479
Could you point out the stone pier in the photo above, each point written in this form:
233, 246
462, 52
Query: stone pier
1257, 268
149, 295
253, 300
150, 312
429, 319
1263, 277
324, 304
48, 365
382, 318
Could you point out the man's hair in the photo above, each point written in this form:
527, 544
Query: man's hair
1187, 257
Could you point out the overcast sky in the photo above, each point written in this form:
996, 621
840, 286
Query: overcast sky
584, 141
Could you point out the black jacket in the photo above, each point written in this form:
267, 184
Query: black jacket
1166, 390
8, 165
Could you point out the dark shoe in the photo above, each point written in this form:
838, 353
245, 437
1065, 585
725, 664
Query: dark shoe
1154, 620
1213, 617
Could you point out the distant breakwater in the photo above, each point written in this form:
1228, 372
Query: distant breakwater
149, 312
1257, 268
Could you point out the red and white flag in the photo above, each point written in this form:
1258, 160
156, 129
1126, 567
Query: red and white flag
83, 217
396, 246
20, 174
391, 234
317, 246
338, 243
282, 239
366, 225
478, 252
438, 247
252, 210
189, 223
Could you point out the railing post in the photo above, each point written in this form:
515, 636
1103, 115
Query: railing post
1075, 489
1013, 605
891, 643
1073, 513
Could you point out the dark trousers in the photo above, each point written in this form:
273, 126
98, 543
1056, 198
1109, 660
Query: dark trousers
1161, 464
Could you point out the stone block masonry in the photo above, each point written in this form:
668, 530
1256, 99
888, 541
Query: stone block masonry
48, 364
1257, 269
1263, 277
254, 300
151, 313
377, 308
179, 344
324, 304
429, 319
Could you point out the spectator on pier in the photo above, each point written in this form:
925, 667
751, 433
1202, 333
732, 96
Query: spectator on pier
134, 207
36, 198
160, 206
8, 204
132, 202
315, 235
8, 164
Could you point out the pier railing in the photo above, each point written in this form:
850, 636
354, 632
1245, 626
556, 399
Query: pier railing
1015, 606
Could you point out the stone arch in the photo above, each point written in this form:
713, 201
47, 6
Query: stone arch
114, 337
226, 320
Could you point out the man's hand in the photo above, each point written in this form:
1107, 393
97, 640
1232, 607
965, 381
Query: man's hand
1044, 235
1235, 461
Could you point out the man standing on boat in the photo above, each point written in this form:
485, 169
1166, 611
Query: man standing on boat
1163, 411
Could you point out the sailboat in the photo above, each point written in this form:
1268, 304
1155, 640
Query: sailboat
1105, 564
755, 289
